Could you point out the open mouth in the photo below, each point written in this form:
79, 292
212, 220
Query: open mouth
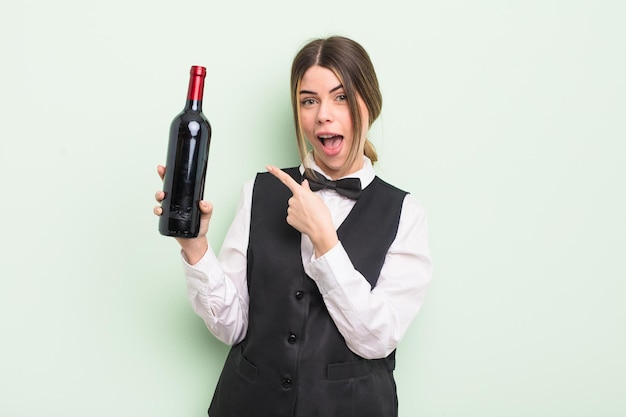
330, 141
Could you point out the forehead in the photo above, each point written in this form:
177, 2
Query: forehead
318, 77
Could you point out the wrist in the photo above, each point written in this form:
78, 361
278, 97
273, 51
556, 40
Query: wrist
194, 249
325, 243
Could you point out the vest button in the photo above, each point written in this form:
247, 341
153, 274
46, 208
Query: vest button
299, 295
286, 383
291, 339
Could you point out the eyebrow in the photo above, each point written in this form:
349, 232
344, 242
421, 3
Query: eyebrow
340, 86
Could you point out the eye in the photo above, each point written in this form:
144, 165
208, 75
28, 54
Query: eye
307, 102
342, 97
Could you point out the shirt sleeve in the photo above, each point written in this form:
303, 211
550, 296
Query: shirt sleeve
373, 321
217, 286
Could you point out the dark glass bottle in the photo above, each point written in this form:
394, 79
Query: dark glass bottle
187, 157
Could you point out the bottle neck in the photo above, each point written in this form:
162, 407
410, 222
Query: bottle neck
195, 105
196, 88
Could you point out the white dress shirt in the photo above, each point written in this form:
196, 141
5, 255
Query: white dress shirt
372, 321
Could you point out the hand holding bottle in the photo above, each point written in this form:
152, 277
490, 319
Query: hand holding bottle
193, 248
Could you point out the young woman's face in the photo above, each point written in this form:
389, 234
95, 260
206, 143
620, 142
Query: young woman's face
326, 122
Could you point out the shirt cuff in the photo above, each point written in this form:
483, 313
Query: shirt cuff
198, 274
328, 270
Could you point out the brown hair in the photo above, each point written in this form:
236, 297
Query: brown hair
354, 69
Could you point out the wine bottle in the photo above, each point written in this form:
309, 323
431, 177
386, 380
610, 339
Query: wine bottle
187, 157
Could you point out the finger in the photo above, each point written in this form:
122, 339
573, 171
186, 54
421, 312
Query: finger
305, 185
284, 178
157, 210
159, 196
161, 171
206, 207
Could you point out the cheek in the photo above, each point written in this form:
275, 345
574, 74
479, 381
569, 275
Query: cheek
308, 125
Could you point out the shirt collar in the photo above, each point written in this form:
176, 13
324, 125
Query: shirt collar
366, 174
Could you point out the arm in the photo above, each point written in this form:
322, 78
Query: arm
373, 321
217, 287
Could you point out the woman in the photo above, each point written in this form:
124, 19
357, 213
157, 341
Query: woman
315, 285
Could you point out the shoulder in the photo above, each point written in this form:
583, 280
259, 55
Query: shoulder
390, 188
411, 206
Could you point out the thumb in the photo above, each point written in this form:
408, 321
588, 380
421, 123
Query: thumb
305, 185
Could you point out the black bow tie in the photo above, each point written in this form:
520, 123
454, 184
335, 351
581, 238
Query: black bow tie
348, 187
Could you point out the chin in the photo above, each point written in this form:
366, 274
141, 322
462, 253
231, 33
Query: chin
334, 166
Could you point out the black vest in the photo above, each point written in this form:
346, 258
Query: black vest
293, 361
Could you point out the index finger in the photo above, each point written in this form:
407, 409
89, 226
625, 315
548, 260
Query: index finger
284, 178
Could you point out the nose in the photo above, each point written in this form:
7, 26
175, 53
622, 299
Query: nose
324, 113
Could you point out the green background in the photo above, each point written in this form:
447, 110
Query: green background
506, 119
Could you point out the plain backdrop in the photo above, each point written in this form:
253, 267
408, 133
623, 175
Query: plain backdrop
506, 119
